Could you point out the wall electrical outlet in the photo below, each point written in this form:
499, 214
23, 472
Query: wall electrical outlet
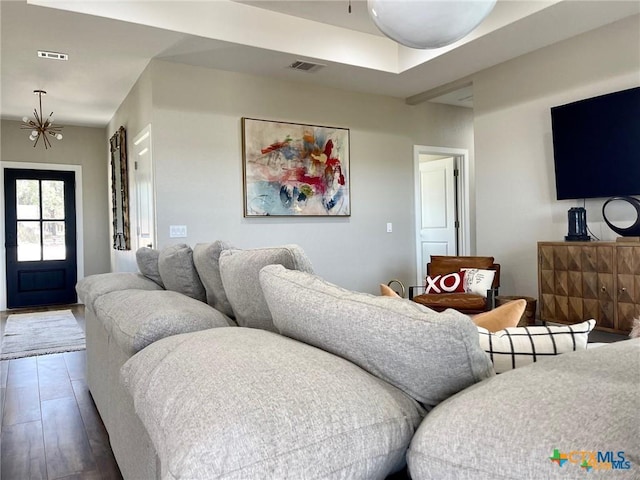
389, 227
177, 231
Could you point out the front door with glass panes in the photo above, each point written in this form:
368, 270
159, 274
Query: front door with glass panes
40, 235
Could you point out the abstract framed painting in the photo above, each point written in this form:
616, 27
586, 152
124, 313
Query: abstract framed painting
293, 169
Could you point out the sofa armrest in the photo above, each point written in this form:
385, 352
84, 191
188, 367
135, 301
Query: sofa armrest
94, 286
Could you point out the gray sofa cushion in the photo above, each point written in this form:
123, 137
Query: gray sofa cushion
240, 269
179, 273
206, 258
428, 355
147, 260
510, 425
240, 403
137, 318
92, 287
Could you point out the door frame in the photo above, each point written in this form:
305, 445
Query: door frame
138, 146
77, 169
462, 185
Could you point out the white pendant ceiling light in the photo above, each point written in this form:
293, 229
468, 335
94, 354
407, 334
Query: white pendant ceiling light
428, 23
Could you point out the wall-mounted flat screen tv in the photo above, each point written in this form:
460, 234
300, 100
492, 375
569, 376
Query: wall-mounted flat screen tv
596, 146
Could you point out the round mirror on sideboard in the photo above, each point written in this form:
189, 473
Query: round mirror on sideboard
632, 230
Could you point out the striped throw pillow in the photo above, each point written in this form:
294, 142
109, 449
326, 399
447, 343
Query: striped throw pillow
518, 346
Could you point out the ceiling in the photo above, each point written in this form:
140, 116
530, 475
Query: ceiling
110, 43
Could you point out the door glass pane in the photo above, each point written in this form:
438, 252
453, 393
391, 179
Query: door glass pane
54, 247
29, 241
28, 199
53, 199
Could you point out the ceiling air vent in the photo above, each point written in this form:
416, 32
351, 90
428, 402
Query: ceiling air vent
306, 66
52, 55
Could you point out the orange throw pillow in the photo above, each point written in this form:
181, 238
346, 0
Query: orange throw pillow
504, 316
387, 291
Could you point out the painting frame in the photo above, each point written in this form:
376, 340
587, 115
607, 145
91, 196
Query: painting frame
295, 169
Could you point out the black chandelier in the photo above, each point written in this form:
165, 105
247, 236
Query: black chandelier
39, 126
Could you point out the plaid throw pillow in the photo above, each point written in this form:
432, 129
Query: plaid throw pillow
518, 346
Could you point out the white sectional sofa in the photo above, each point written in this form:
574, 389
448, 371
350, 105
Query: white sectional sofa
242, 364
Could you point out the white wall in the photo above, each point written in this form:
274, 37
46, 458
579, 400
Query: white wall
515, 182
134, 114
197, 156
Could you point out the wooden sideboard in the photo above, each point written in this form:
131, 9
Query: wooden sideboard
582, 280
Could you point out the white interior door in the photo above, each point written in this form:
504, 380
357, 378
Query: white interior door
144, 189
436, 209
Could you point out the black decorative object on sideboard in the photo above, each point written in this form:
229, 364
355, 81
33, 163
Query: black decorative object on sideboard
634, 229
577, 225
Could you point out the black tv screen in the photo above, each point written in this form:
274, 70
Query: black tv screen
596, 146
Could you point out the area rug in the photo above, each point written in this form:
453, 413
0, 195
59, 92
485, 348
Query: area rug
39, 333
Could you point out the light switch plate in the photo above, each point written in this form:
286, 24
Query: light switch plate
389, 227
177, 231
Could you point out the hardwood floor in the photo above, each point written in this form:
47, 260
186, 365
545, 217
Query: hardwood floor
50, 426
